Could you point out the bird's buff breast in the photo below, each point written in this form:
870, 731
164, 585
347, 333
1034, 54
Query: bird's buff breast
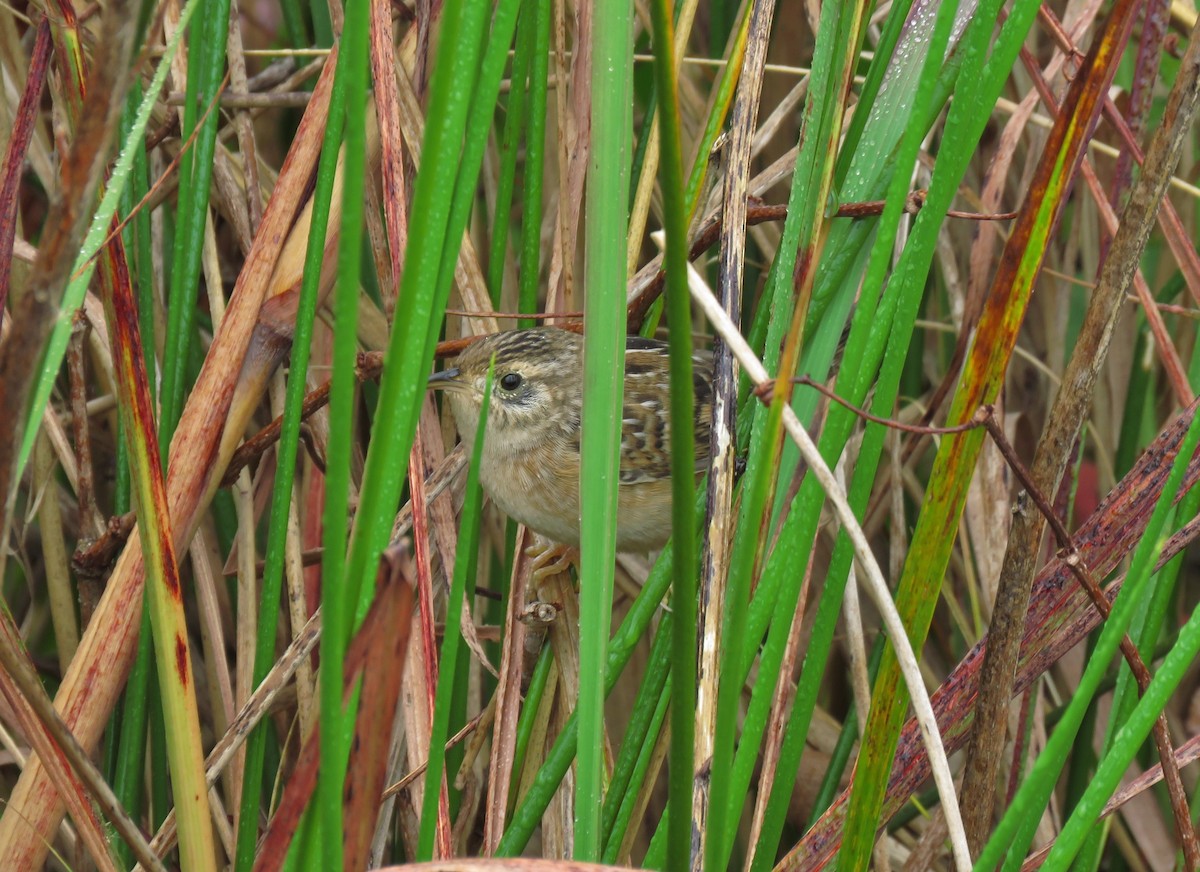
532, 493
546, 500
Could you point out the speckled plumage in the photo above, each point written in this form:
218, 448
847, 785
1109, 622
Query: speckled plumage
530, 465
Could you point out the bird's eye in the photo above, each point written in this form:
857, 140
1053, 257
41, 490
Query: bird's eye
510, 381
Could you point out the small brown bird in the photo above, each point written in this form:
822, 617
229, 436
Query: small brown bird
530, 464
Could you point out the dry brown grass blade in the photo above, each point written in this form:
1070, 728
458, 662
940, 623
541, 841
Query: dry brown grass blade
1174, 367
443, 524
1178, 238
574, 140
427, 633
90, 689
781, 707
249, 209
417, 711
59, 588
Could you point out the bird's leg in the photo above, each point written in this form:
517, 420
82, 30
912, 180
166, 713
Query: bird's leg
550, 560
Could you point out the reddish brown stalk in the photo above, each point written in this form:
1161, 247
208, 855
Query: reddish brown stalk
912, 205
391, 140
424, 585
367, 770
92, 559
74, 773
77, 377
1168, 354
249, 207
254, 447
1155, 20
80, 174
14, 155
455, 740
1064, 421
89, 590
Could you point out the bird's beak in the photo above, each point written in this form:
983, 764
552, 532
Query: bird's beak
447, 379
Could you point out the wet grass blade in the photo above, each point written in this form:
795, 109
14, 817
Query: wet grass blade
995, 338
603, 378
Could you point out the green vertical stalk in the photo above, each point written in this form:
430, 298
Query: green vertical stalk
163, 592
1149, 623
830, 603
731, 74
642, 766
435, 232
252, 787
464, 568
535, 162
603, 356
995, 337
483, 106
641, 734
419, 303
293, 23
514, 120
205, 71
528, 715
335, 600
804, 232
683, 449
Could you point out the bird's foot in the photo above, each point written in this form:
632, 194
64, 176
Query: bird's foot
550, 560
